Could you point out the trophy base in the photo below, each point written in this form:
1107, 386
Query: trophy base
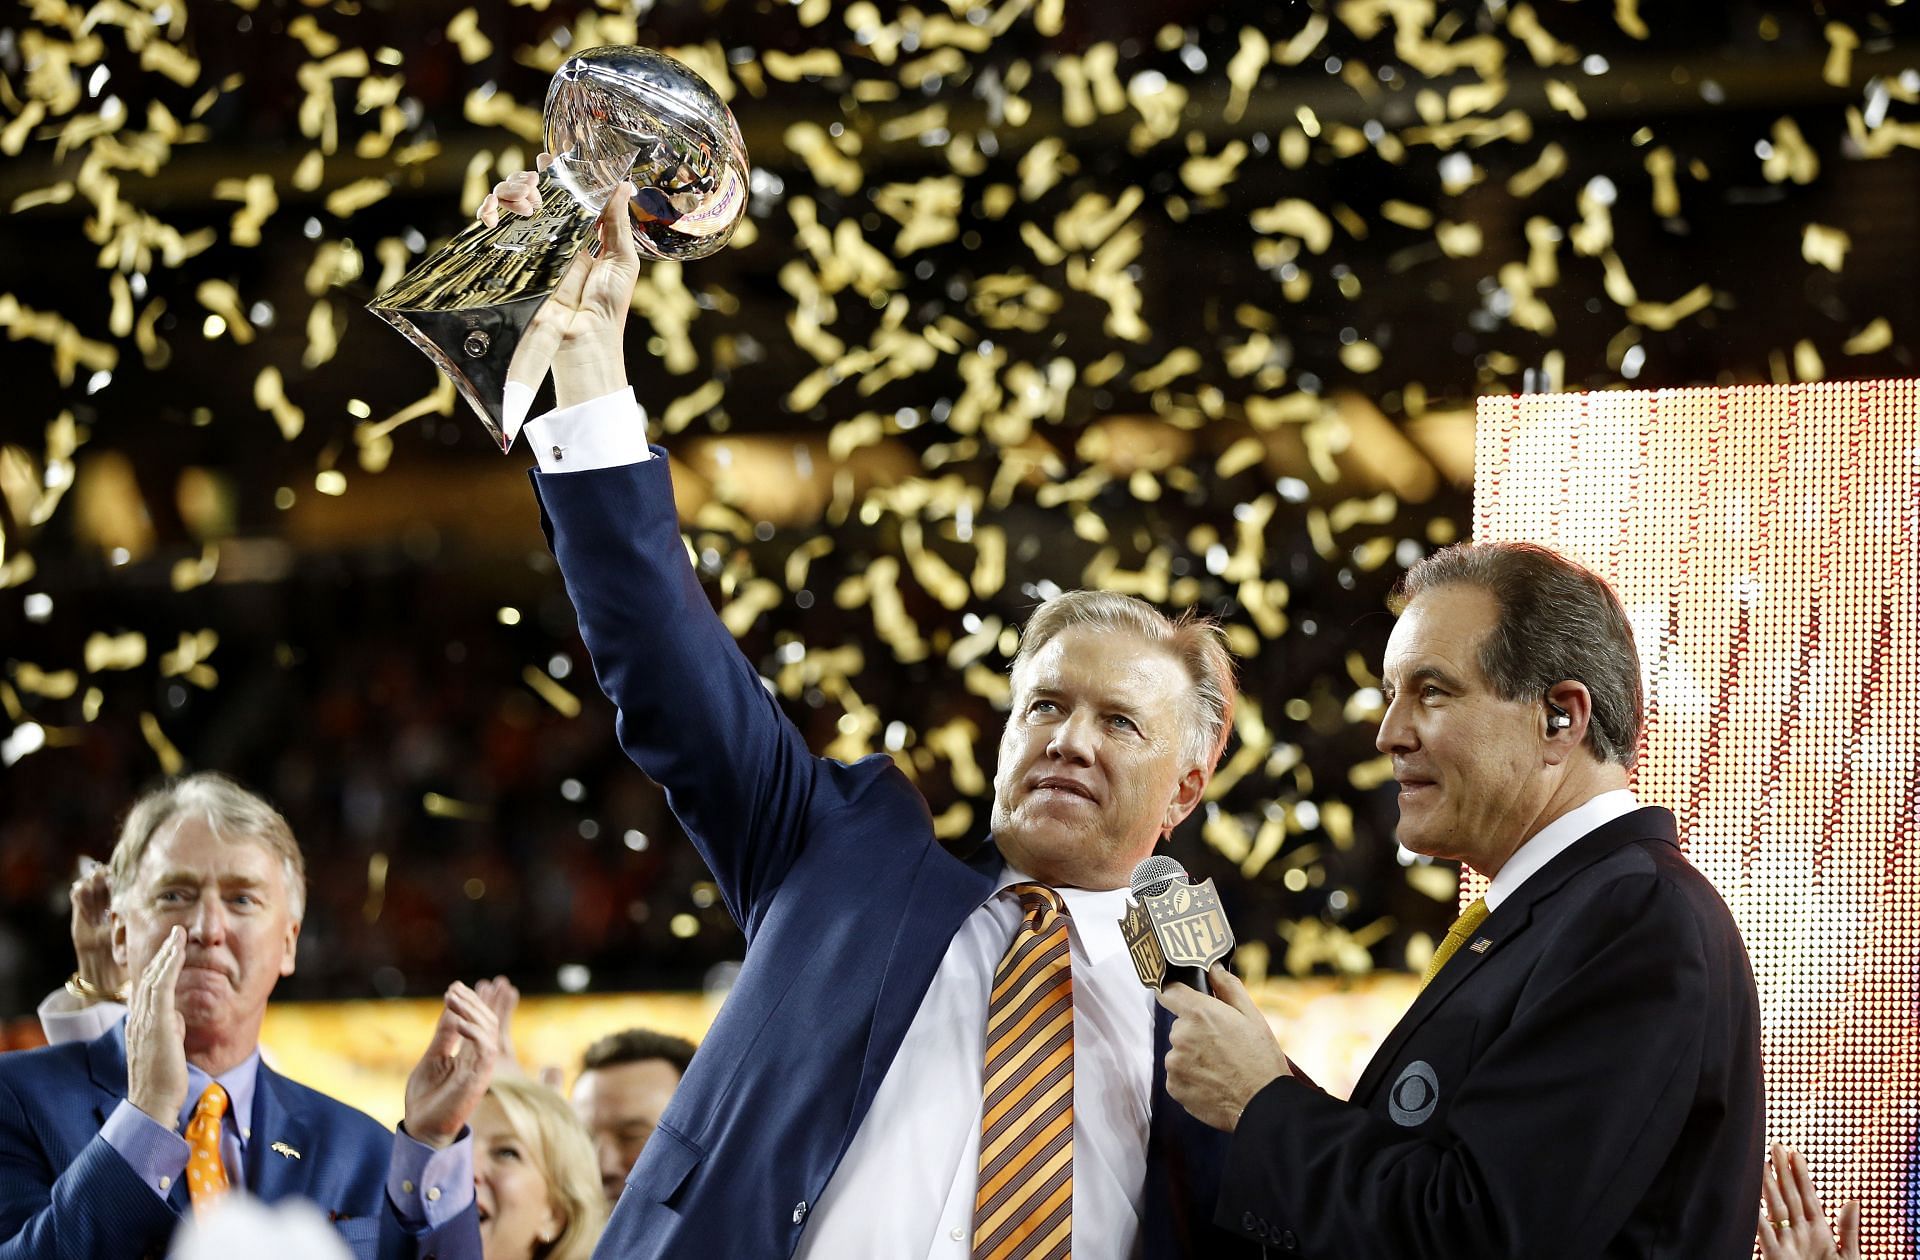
474, 347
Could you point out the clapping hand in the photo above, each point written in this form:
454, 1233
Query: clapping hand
1793, 1221
157, 1036
502, 998
92, 925
452, 1076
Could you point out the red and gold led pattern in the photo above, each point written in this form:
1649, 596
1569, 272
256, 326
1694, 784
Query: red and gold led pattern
1764, 540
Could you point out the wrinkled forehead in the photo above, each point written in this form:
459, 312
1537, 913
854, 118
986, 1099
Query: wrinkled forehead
1102, 663
188, 846
1442, 630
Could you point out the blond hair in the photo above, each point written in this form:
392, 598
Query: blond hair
230, 812
563, 1153
1199, 643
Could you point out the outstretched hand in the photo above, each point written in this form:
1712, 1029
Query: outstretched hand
452, 1076
1793, 1221
1221, 1050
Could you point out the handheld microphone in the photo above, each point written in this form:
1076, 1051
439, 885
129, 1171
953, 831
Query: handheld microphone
1174, 928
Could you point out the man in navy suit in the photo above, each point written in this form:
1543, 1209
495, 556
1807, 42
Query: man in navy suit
1580, 1074
837, 1107
106, 1144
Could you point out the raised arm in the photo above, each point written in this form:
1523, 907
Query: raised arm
693, 712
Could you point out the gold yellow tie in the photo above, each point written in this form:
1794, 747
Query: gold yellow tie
1463, 927
206, 1173
1023, 1207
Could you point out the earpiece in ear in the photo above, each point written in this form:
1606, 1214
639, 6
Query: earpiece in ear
1560, 719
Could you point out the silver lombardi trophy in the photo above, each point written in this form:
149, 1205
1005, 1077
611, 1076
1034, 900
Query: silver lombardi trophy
614, 113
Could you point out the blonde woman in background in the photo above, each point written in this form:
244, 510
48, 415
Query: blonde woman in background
535, 1178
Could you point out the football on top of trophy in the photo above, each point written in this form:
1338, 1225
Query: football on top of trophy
620, 112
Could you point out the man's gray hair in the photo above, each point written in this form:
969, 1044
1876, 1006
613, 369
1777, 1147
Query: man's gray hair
1199, 643
230, 812
1557, 621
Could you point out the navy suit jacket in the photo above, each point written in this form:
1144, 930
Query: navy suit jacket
832, 872
1582, 1081
65, 1193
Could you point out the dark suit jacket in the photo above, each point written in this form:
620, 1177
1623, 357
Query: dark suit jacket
65, 1193
832, 872
1585, 1084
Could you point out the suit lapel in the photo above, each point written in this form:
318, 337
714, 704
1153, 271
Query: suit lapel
107, 1065
1500, 928
1508, 922
279, 1153
945, 891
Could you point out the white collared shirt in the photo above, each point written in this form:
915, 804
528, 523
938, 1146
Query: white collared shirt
1556, 838
906, 1185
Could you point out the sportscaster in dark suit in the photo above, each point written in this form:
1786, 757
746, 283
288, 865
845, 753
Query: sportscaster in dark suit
1580, 1074
922, 1056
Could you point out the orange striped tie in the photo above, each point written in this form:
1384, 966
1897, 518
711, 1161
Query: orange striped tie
1024, 1205
206, 1174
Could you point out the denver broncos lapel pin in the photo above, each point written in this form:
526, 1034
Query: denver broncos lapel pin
284, 1151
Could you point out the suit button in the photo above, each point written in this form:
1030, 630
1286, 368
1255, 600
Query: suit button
1288, 1241
800, 1212
1250, 1223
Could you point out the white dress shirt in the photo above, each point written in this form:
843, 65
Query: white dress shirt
905, 1188
1556, 838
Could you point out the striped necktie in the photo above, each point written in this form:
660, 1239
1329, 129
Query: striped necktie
1023, 1207
206, 1172
1470, 919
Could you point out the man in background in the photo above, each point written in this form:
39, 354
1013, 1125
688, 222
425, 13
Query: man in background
106, 1145
625, 1082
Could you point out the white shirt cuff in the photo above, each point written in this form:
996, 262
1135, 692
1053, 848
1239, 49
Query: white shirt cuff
64, 1017
605, 432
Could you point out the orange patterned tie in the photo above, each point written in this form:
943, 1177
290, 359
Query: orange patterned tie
206, 1174
1023, 1209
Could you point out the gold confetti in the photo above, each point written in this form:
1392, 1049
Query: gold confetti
171, 762
350, 199
1243, 71
1872, 339
57, 685
1626, 15
436, 806
105, 652
1296, 217
1549, 166
1791, 157
1825, 246
269, 394
1661, 317
1841, 41
464, 31
1666, 194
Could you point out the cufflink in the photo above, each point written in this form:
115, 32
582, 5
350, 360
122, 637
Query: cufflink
559, 451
